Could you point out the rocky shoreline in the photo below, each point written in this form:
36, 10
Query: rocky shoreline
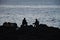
10, 31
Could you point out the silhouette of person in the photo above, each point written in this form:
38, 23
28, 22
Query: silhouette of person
24, 22
36, 23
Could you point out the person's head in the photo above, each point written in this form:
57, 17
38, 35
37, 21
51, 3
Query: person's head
36, 19
24, 18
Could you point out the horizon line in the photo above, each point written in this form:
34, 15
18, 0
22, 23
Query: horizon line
30, 6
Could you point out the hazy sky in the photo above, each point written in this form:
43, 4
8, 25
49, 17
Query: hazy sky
29, 2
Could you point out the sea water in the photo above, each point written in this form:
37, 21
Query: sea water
45, 15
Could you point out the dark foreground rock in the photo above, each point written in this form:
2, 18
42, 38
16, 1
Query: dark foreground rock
10, 31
